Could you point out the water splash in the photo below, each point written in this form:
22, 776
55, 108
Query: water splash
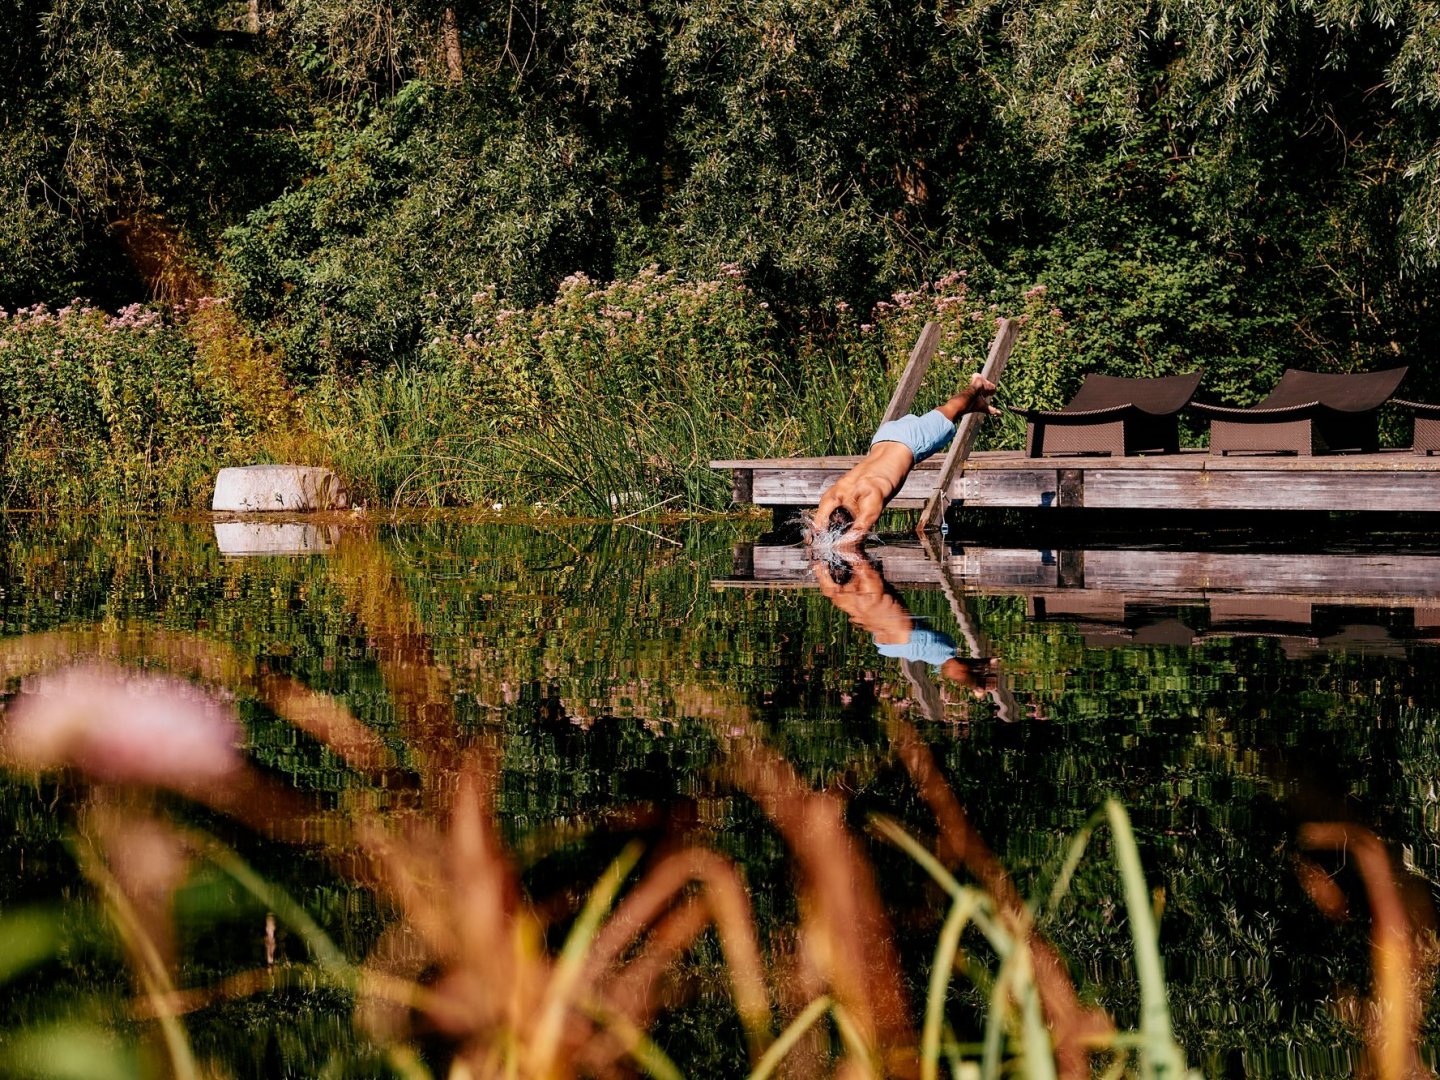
825, 544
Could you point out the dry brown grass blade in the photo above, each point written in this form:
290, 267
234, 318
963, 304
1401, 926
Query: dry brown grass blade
323, 718
845, 927
846, 936
374, 985
633, 992
210, 661
136, 862
498, 942
1322, 890
147, 859
419, 687
278, 811
128, 643
408, 871
728, 904
402, 955
1401, 980
114, 691
797, 986
1075, 1028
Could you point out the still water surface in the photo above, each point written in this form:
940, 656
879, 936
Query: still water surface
678, 685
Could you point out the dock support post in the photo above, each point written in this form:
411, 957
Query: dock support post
742, 486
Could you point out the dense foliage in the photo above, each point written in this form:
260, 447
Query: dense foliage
1234, 186
609, 398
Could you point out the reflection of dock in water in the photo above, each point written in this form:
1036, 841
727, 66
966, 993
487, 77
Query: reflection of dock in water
1307, 600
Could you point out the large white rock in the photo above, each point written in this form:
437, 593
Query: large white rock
239, 538
251, 489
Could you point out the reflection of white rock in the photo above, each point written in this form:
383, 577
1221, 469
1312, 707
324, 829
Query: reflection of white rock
277, 538
252, 488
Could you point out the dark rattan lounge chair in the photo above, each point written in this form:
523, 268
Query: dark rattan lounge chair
1307, 413
1111, 415
1427, 426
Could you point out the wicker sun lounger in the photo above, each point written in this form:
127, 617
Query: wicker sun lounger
1427, 425
1112, 415
1307, 413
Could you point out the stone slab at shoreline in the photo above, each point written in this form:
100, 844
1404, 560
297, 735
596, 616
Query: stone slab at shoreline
250, 489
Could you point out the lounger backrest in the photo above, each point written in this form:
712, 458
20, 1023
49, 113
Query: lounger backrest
1158, 397
1357, 392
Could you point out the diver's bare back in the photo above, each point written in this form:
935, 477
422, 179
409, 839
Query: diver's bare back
867, 488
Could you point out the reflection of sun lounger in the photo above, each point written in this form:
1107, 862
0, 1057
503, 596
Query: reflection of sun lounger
1112, 415
1307, 413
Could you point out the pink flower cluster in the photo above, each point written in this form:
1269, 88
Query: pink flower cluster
131, 317
122, 726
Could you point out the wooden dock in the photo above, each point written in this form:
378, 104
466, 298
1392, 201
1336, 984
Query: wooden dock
1391, 480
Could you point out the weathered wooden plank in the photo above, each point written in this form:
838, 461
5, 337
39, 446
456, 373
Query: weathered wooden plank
1263, 491
791, 486
1081, 603
899, 563
1260, 609
1003, 567
1036, 485
1228, 578
803, 487
1384, 461
1207, 572
1031, 487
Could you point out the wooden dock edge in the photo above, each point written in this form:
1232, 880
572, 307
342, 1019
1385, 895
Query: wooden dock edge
1390, 481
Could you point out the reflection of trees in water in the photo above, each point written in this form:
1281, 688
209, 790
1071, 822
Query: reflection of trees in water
405, 815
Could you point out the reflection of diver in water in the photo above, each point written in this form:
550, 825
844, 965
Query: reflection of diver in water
853, 584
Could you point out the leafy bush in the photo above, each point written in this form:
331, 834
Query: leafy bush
125, 410
408, 208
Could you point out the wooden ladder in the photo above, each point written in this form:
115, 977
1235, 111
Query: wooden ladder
904, 397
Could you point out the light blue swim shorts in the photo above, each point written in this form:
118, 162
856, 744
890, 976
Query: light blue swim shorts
924, 435
930, 646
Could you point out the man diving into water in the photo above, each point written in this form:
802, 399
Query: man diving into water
850, 508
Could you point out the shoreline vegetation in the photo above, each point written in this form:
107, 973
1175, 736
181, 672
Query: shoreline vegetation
609, 400
548, 262
391, 199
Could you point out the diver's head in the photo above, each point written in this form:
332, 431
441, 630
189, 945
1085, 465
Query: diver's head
840, 520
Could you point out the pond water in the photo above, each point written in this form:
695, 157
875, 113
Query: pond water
679, 686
